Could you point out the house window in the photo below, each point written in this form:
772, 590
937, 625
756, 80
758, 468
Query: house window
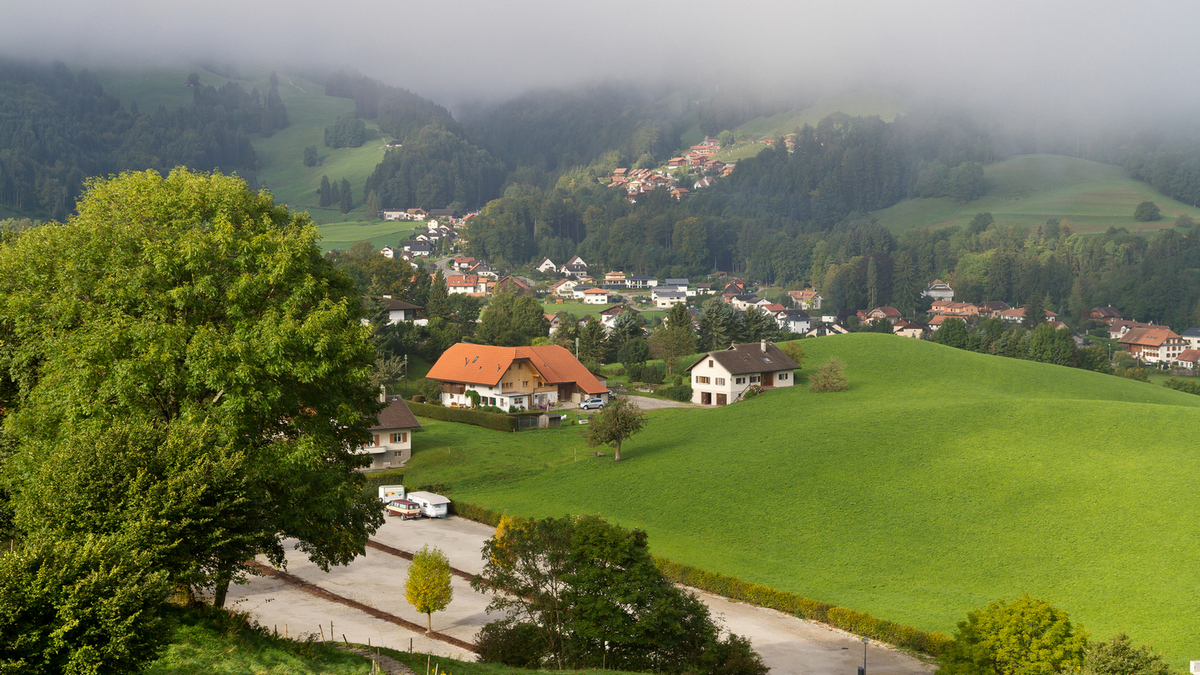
374, 441
398, 453
720, 381
739, 380
701, 379
783, 376
401, 437
710, 363
506, 385
754, 378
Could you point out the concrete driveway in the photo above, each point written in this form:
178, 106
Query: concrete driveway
790, 646
648, 403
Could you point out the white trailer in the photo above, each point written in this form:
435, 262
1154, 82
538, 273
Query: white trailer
432, 505
390, 492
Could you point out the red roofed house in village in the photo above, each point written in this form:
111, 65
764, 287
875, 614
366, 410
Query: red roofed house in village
1188, 358
807, 299
1155, 344
465, 283
513, 377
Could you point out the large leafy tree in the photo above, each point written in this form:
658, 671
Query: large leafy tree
187, 332
594, 597
512, 321
1026, 635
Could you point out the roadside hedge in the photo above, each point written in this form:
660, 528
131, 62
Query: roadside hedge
464, 415
900, 635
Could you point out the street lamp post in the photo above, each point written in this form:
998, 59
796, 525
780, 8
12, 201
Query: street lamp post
863, 670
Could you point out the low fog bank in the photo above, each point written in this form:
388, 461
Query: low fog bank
1080, 60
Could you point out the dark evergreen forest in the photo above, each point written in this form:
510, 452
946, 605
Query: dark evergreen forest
57, 128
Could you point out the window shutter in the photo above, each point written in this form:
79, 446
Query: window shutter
376, 439
404, 437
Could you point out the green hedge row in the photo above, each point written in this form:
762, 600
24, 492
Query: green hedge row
475, 513
931, 643
900, 635
464, 415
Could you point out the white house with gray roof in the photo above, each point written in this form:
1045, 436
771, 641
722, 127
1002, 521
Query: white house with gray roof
722, 377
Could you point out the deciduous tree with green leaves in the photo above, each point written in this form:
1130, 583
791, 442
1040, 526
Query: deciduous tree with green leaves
1026, 635
620, 419
427, 587
188, 342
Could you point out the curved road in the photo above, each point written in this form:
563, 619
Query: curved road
790, 646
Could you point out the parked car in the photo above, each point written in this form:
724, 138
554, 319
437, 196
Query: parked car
592, 404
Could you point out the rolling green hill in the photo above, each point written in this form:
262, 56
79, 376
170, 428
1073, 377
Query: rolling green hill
940, 481
280, 156
1029, 189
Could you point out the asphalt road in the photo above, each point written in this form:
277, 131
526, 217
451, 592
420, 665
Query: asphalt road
790, 646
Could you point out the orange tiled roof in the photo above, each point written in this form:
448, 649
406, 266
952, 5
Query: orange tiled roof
1153, 336
486, 364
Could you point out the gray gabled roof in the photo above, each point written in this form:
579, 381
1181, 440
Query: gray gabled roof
742, 359
677, 282
1191, 332
396, 416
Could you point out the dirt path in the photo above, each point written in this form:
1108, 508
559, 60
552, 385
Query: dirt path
790, 646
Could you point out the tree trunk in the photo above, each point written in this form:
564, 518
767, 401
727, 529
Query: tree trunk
429, 622
618, 455
221, 589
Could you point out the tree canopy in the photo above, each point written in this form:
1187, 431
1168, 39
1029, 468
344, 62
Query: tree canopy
182, 344
1026, 635
427, 587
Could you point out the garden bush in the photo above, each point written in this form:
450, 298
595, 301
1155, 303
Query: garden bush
680, 392
1189, 386
517, 645
647, 373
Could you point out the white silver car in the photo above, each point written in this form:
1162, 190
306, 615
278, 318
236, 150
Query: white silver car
592, 404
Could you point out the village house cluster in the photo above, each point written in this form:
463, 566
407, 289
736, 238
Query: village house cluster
638, 181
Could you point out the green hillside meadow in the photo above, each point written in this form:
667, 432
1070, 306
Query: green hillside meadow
1030, 189
942, 480
280, 156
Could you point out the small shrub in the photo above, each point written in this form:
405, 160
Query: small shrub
1189, 386
517, 645
754, 390
830, 376
1131, 373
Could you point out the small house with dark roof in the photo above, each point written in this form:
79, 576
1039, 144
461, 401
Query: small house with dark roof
793, 320
398, 310
390, 445
722, 377
1107, 314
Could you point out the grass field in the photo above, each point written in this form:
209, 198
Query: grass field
1029, 189
949, 480
207, 642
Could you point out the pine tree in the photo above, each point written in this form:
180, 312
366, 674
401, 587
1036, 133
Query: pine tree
347, 196
323, 192
374, 204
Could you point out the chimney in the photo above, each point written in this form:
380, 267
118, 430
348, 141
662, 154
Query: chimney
763, 346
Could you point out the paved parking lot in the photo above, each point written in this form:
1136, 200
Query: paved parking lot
789, 645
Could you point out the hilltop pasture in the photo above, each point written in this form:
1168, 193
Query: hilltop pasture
1028, 190
942, 480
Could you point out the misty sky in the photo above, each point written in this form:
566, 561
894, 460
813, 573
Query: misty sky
1089, 53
